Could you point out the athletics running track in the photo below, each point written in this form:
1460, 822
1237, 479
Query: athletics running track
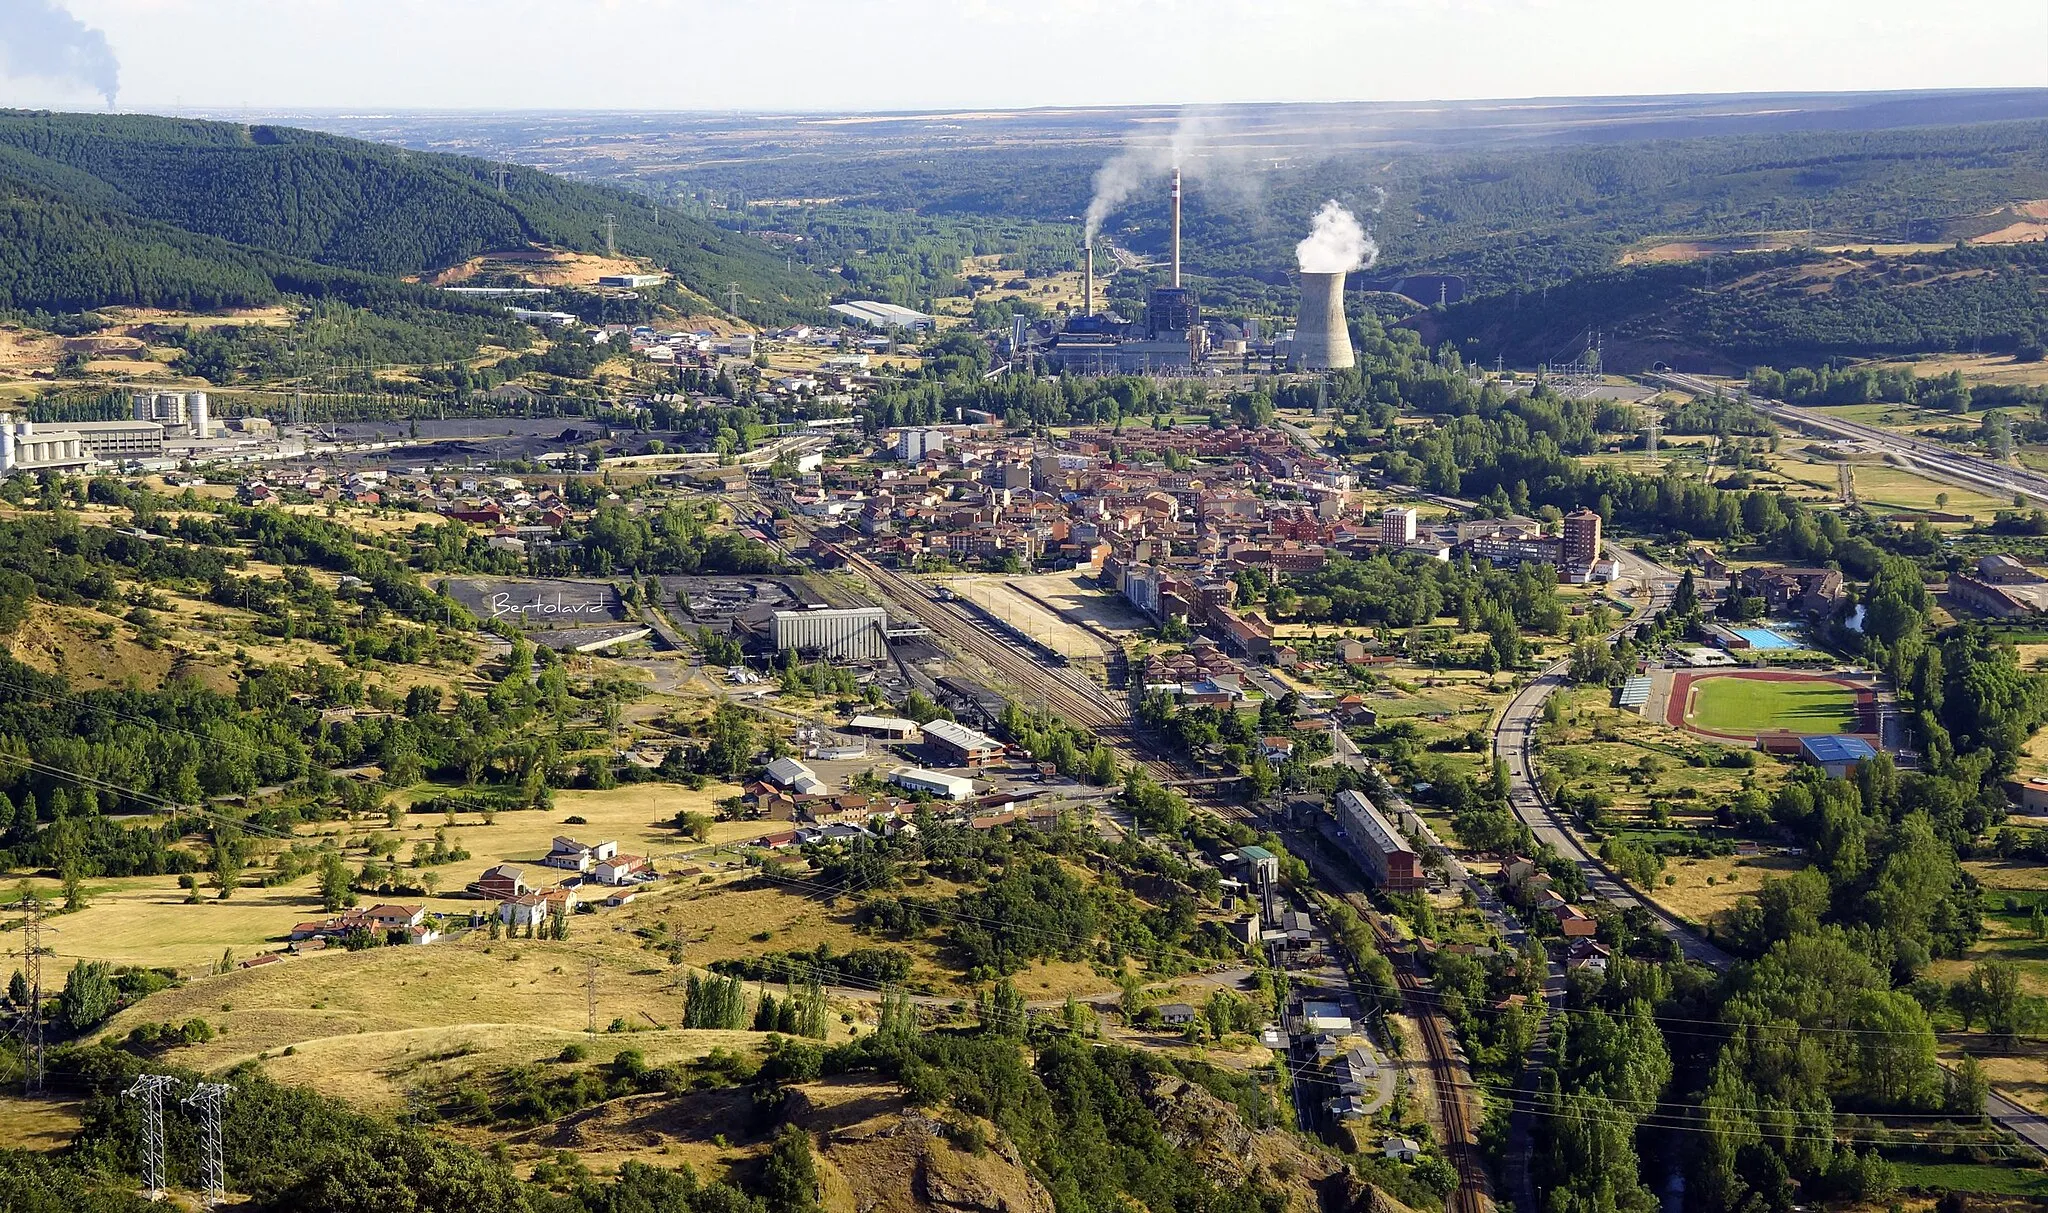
1678, 705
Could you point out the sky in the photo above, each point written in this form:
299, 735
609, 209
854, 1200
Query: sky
921, 54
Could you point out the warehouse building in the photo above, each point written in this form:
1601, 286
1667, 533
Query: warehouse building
850, 634
894, 728
937, 783
882, 315
118, 440
960, 745
1377, 845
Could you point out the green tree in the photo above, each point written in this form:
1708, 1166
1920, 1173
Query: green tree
89, 996
789, 1178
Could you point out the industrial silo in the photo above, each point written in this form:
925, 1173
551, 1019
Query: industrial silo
1322, 337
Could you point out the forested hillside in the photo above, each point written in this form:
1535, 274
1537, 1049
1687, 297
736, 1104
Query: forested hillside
166, 212
1786, 307
1501, 218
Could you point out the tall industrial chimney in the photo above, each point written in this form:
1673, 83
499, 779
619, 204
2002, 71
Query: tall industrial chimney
1176, 227
1322, 337
1088, 278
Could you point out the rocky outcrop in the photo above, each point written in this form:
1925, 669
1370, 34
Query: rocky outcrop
1201, 1126
898, 1159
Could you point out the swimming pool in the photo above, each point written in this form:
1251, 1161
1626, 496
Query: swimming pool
1765, 638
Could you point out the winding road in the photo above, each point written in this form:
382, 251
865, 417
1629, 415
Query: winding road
1513, 736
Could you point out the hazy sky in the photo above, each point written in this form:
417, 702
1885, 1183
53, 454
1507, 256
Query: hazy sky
898, 54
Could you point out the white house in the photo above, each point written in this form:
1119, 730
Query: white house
578, 856
622, 869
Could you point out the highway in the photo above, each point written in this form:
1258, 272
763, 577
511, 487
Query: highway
1932, 458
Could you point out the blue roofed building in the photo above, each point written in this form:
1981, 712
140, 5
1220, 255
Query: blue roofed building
1837, 755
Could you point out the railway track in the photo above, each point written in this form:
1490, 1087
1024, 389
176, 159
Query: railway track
1474, 1193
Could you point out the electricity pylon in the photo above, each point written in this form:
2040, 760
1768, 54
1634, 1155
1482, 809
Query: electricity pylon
31, 1024
150, 1088
210, 1098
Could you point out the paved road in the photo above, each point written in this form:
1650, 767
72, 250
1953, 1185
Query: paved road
1513, 734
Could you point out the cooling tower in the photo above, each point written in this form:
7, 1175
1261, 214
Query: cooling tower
1322, 338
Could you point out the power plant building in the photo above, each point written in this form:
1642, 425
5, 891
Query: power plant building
1377, 845
182, 411
850, 634
24, 448
116, 441
879, 315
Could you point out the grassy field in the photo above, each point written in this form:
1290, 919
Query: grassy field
1756, 705
1700, 889
1636, 766
1982, 1178
146, 919
366, 1026
1887, 487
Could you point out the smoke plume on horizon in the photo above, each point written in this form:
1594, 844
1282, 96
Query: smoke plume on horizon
42, 40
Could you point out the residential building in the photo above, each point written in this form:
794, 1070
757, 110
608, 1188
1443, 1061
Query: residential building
622, 869
1808, 591
1581, 541
1572, 922
1397, 527
1379, 847
578, 856
504, 880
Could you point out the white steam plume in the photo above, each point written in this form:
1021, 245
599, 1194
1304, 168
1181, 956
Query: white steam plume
1200, 147
1337, 243
39, 39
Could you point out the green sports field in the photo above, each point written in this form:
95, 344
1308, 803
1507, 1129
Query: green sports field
1755, 705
